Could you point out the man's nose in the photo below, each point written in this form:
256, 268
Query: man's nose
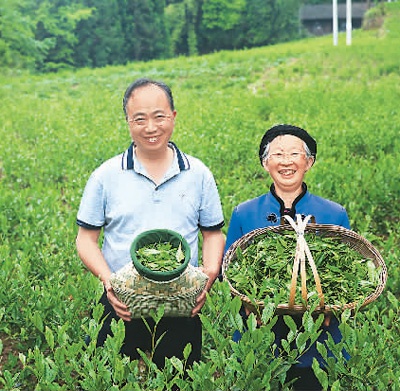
151, 125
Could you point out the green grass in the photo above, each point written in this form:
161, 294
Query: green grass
55, 129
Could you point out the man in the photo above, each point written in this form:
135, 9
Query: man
151, 185
287, 152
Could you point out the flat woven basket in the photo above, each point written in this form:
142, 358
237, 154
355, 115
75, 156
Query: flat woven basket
143, 295
352, 239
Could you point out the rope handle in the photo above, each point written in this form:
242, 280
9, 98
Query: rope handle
302, 252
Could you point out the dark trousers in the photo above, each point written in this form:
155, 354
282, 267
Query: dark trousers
178, 333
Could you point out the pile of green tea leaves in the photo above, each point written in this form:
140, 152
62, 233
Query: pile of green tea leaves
161, 256
264, 269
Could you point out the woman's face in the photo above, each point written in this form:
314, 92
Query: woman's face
287, 163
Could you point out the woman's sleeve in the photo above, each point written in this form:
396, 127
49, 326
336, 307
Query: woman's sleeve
234, 230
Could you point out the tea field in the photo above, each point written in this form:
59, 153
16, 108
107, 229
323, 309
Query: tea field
55, 129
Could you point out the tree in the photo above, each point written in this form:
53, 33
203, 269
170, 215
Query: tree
148, 36
182, 20
101, 39
18, 46
266, 23
54, 34
222, 14
218, 22
55, 29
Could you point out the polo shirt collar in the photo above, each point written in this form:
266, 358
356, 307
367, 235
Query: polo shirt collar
128, 161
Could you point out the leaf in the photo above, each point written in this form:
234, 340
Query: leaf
187, 350
180, 255
345, 316
320, 374
394, 301
268, 312
38, 321
249, 359
301, 341
290, 323
178, 365
251, 322
49, 337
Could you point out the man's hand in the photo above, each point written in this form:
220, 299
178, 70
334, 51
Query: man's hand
120, 308
212, 252
200, 300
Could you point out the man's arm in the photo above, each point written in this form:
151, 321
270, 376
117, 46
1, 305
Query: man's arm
87, 244
212, 252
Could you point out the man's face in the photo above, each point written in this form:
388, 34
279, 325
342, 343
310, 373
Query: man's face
287, 162
150, 118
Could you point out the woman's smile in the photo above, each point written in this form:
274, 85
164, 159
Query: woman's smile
287, 172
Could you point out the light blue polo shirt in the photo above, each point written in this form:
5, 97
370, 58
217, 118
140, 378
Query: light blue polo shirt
120, 198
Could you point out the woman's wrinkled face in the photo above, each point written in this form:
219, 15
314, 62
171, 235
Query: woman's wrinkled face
287, 162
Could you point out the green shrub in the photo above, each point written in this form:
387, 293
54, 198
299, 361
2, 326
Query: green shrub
56, 129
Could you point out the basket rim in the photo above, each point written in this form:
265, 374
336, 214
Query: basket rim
245, 241
156, 275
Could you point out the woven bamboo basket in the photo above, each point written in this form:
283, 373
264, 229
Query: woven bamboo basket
352, 239
142, 295
143, 290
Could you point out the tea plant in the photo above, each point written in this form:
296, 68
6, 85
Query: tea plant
160, 256
56, 129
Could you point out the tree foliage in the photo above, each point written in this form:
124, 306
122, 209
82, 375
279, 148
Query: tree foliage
56, 21
18, 46
274, 22
48, 35
222, 14
99, 38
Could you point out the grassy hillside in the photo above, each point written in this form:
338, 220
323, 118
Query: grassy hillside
56, 129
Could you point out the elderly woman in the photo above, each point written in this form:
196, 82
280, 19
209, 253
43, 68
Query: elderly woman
287, 152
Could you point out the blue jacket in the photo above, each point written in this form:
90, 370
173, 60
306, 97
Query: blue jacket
265, 211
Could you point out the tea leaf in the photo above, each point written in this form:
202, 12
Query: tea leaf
264, 268
161, 256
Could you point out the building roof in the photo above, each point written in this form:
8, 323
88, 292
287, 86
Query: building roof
324, 11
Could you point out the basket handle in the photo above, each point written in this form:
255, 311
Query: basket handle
295, 272
302, 251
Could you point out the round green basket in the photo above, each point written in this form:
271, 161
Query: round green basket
160, 236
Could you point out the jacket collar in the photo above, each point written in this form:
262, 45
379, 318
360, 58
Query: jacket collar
292, 211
